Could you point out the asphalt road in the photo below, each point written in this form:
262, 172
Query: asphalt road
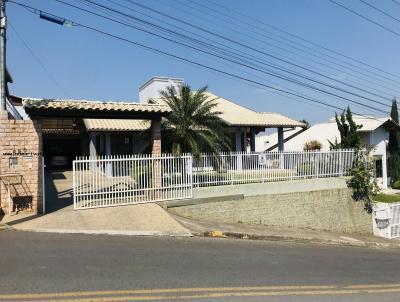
55, 267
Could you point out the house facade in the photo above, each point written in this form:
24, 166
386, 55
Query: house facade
242, 123
59, 130
374, 133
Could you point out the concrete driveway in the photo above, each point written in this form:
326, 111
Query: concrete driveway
140, 219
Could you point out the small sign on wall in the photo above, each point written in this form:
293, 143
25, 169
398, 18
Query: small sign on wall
28, 161
13, 163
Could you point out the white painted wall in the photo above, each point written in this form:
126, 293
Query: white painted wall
323, 132
152, 88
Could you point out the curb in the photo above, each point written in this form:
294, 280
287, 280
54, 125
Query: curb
4, 227
104, 232
231, 235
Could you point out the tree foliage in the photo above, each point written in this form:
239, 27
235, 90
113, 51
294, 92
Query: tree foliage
361, 174
362, 180
312, 145
349, 136
394, 136
306, 123
394, 146
194, 126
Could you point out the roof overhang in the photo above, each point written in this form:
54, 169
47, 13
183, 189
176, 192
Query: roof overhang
49, 108
113, 125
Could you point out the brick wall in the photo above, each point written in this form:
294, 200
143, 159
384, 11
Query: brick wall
331, 210
20, 151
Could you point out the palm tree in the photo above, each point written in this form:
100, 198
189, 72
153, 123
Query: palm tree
194, 126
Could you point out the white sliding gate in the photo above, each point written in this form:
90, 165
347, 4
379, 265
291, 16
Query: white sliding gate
119, 180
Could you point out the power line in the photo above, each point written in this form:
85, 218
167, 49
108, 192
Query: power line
269, 73
37, 59
192, 62
248, 17
365, 18
241, 63
296, 53
371, 74
381, 11
247, 72
222, 37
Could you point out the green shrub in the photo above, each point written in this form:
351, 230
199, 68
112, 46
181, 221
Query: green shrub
396, 184
312, 145
361, 181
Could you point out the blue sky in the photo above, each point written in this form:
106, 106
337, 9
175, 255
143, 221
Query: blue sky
88, 65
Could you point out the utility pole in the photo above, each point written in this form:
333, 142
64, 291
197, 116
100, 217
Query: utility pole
3, 25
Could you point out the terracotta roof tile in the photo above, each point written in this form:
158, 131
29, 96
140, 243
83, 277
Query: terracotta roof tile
30, 103
116, 125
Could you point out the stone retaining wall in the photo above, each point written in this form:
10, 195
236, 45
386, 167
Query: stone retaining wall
331, 210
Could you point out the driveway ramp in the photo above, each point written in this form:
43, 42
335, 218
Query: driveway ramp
140, 219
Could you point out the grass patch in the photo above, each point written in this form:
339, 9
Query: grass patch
387, 198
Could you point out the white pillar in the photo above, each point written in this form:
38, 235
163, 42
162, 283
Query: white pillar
384, 171
92, 149
92, 145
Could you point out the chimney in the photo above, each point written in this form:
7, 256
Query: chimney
152, 88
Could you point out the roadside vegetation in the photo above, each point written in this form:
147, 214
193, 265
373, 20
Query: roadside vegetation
387, 198
362, 180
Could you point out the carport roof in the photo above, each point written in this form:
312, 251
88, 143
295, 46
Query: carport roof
92, 109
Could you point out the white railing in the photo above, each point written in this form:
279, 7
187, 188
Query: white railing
118, 180
241, 167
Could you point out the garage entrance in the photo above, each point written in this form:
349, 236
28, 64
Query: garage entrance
64, 135
63, 141
59, 152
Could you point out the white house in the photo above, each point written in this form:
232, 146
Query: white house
374, 133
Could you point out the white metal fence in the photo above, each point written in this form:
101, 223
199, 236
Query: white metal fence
240, 167
119, 180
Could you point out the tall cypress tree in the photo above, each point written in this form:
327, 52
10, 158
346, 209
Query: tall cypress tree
394, 146
394, 137
349, 136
